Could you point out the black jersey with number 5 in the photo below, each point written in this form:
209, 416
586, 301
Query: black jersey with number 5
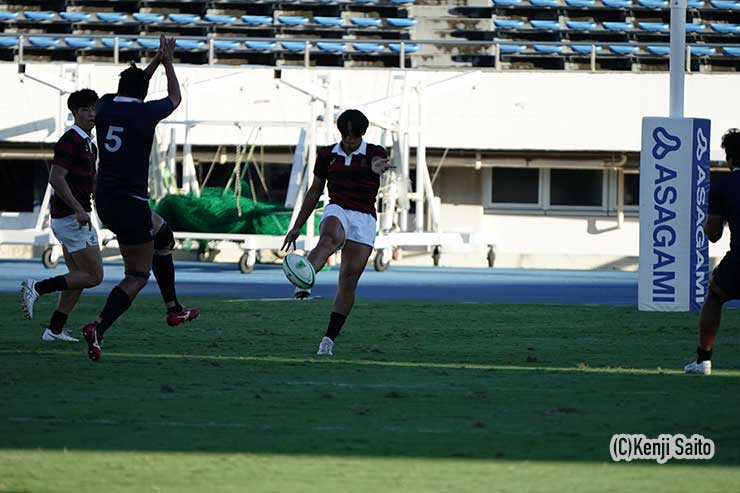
125, 131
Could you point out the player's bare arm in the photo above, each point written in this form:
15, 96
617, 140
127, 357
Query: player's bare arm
152, 67
166, 53
57, 179
309, 204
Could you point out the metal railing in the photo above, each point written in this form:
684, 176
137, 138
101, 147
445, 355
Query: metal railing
493, 47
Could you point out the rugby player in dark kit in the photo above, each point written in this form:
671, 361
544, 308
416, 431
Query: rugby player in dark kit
125, 130
72, 176
351, 168
724, 207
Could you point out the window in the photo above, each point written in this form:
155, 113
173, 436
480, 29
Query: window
631, 189
515, 186
557, 191
580, 188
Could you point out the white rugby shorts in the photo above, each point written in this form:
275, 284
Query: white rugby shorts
68, 232
358, 226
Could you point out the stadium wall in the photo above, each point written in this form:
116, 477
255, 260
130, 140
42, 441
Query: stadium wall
541, 111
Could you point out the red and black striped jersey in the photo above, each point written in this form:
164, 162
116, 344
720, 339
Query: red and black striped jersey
352, 183
75, 152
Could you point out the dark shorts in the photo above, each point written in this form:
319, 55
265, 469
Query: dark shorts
128, 217
727, 276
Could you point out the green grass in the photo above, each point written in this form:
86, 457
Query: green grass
419, 397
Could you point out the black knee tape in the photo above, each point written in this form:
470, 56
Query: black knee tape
140, 275
164, 238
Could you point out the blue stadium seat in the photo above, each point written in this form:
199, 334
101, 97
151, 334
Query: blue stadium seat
294, 45
511, 49
329, 21
293, 20
545, 3
368, 47
624, 50
659, 50
653, 4
617, 4
225, 44
725, 5
580, 4
365, 21
581, 25
549, 49
332, 47
731, 50
184, 18
695, 4
148, 44
618, 26
702, 51
695, 27
79, 43
8, 41
507, 3
654, 27
148, 18
726, 28
39, 16
8, 16
257, 20
122, 43
541, 25
224, 20
112, 17
402, 2
40, 42
401, 22
260, 45
74, 16
364, 2
407, 47
584, 49
508, 23
190, 44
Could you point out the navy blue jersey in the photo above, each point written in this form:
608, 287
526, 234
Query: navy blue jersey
724, 200
125, 130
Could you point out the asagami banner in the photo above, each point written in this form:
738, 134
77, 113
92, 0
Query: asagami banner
674, 193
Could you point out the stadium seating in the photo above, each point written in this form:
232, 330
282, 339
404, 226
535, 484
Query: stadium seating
79, 43
8, 41
226, 45
332, 47
368, 30
368, 47
296, 46
581, 25
726, 28
260, 45
122, 43
185, 19
545, 25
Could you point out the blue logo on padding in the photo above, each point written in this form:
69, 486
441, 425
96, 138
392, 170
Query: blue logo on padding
665, 143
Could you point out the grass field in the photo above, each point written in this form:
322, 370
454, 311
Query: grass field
418, 397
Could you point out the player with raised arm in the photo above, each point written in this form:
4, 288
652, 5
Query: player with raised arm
72, 176
724, 206
352, 169
125, 129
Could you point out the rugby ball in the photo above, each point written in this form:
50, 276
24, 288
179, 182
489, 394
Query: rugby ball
299, 271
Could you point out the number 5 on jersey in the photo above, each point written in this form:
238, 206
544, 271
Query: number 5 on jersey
112, 141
